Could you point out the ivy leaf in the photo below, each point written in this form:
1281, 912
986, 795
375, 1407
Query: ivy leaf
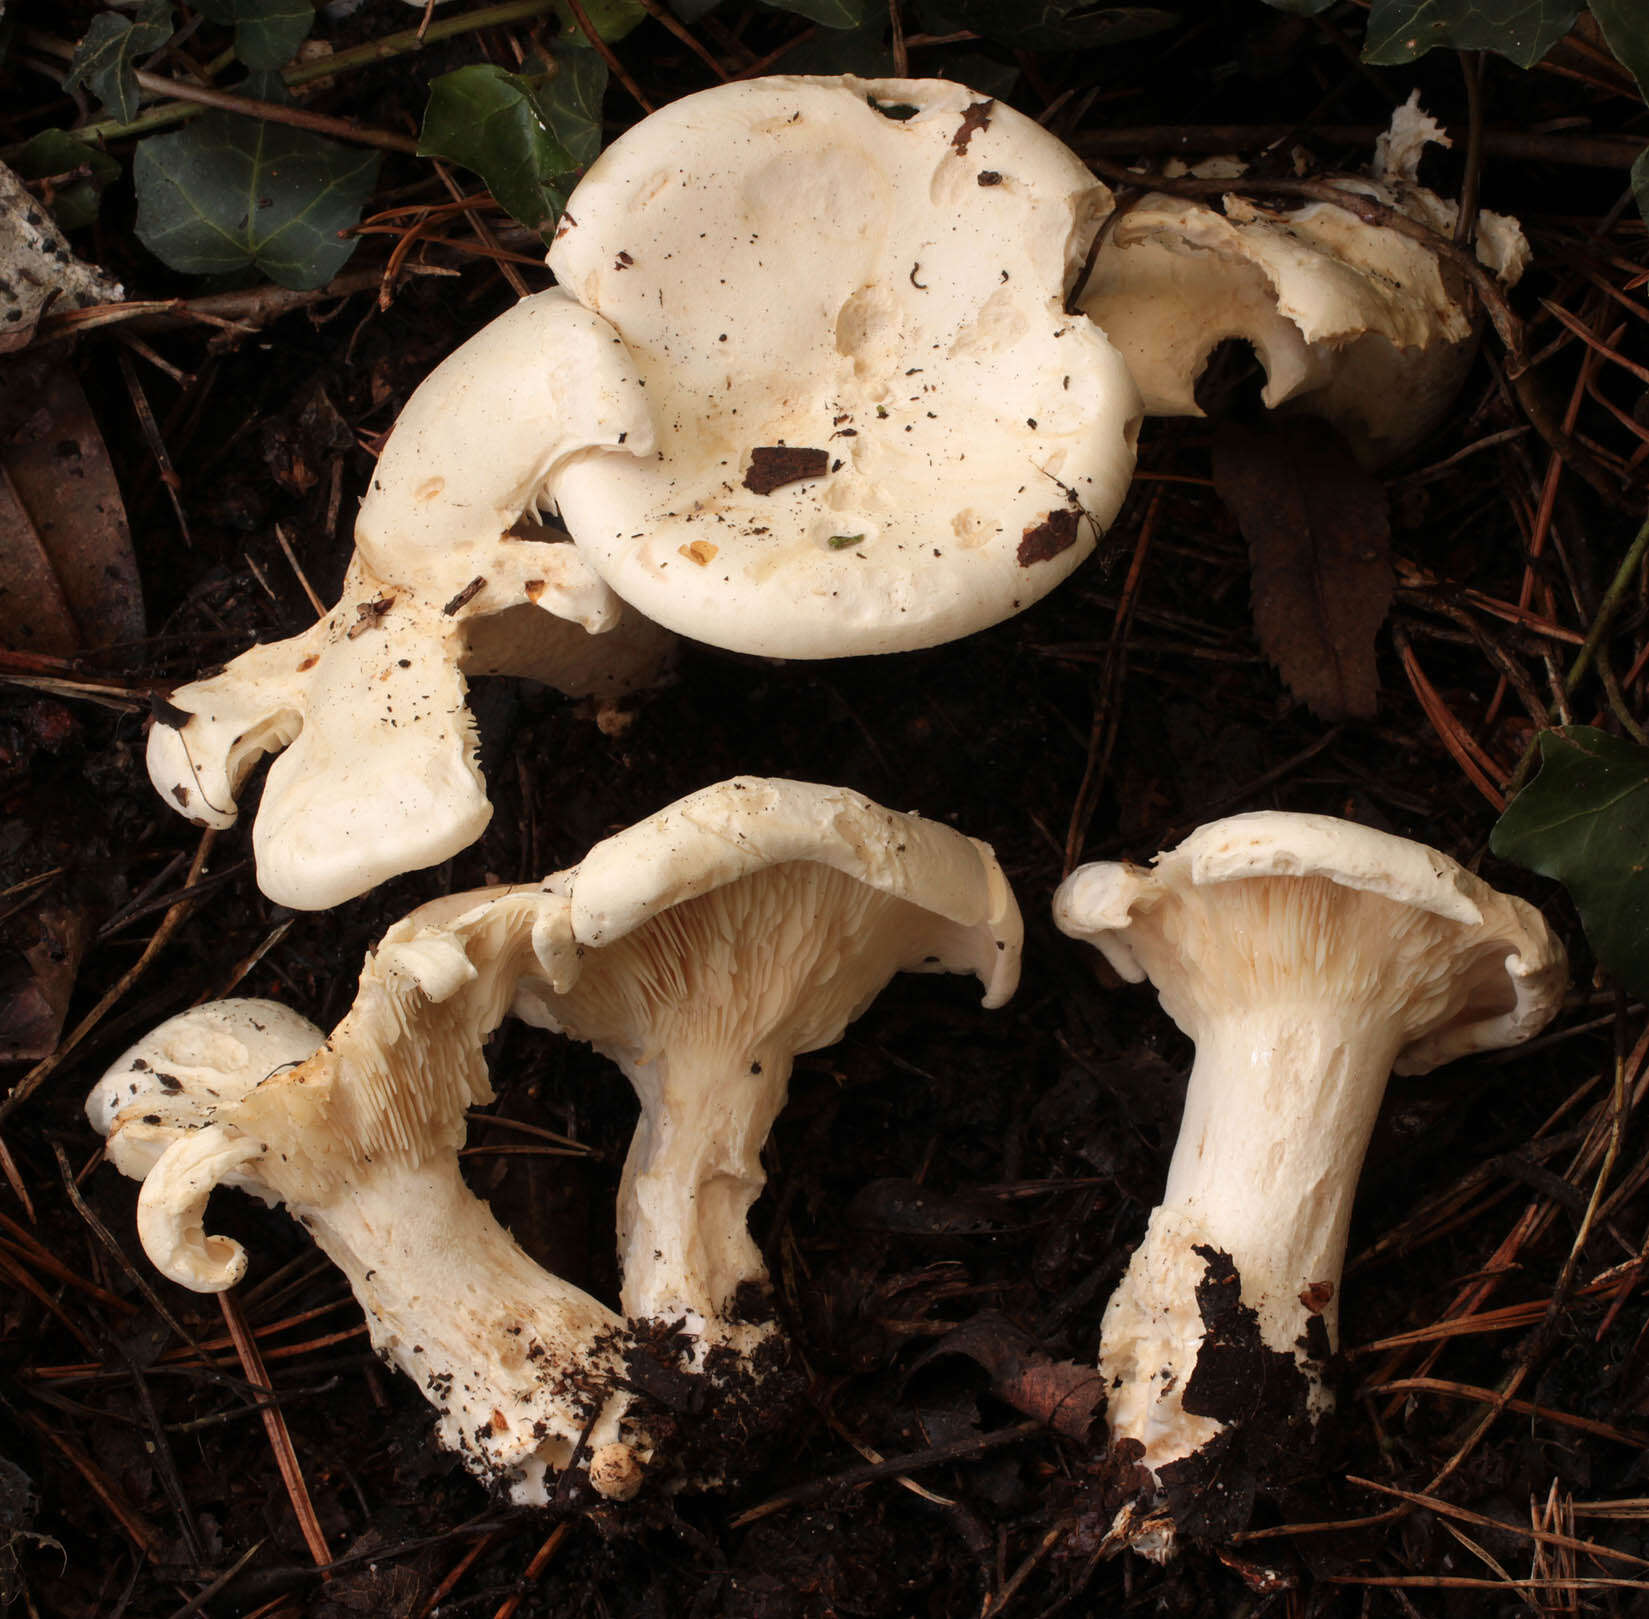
1625, 25
1584, 820
267, 32
827, 13
228, 193
1640, 182
500, 126
1301, 8
105, 61
1047, 25
570, 103
1521, 30
55, 151
611, 19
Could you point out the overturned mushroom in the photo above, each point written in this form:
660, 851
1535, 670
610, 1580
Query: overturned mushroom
877, 426
715, 941
360, 1141
1307, 957
379, 774
1356, 323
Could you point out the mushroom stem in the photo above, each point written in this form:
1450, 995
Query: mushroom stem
453, 1301
1278, 1112
693, 1172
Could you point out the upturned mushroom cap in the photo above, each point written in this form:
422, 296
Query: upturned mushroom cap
877, 427
707, 946
1457, 965
1357, 323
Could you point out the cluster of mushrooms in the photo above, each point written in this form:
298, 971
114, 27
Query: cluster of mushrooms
812, 382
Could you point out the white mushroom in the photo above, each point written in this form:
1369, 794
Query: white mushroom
877, 426
712, 943
1356, 323
1307, 957
360, 1141
380, 776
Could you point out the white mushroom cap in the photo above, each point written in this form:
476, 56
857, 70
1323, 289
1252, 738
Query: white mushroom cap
878, 428
708, 945
209, 1056
1504, 968
484, 436
1363, 326
727, 832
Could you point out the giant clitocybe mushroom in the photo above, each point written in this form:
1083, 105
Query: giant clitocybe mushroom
1354, 322
358, 1137
711, 944
877, 426
379, 774
1308, 958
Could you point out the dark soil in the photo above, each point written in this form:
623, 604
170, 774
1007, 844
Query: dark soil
941, 1164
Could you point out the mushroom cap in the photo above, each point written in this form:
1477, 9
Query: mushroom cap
484, 435
1366, 327
720, 834
1508, 968
181, 1072
379, 772
878, 428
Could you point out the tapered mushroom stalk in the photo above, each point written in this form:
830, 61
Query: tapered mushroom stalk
360, 1142
379, 774
1307, 958
715, 941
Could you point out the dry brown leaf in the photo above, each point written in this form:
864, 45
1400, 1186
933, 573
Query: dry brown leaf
1319, 537
68, 578
1064, 1394
38, 272
35, 984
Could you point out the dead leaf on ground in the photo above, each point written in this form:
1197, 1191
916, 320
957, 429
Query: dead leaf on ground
68, 578
1319, 536
38, 272
36, 982
1064, 1394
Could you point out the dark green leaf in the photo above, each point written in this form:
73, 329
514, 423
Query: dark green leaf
570, 103
494, 123
1047, 25
1301, 8
227, 193
1640, 182
56, 152
1625, 25
1585, 821
864, 51
611, 19
105, 61
827, 13
1523, 30
267, 32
